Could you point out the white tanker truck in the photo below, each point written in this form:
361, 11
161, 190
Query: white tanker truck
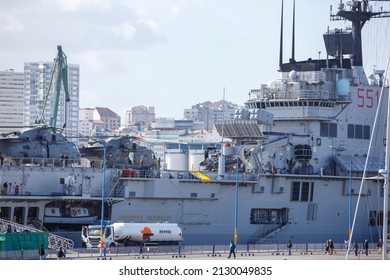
132, 234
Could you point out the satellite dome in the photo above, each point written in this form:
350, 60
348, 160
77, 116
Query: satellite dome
293, 75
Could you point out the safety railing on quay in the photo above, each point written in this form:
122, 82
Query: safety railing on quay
176, 251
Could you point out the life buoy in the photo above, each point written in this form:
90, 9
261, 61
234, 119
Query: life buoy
74, 212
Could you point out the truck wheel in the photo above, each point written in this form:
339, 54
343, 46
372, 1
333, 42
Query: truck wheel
112, 245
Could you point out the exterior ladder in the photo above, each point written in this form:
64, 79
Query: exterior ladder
54, 241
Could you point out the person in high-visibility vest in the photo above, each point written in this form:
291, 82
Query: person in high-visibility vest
102, 247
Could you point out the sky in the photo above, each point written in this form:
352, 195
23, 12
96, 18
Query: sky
172, 54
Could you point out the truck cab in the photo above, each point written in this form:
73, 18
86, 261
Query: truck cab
90, 236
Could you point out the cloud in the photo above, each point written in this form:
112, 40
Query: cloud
125, 30
140, 32
10, 22
176, 8
74, 5
91, 61
148, 23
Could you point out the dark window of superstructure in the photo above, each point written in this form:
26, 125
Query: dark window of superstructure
324, 129
328, 129
311, 191
305, 191
302, 191
358, 131
366, 132
332, 130
295, 191
351, 131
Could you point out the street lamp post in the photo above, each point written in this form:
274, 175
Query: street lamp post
385, 215
103, 190
236, 202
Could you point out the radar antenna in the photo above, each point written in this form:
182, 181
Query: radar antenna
358, 14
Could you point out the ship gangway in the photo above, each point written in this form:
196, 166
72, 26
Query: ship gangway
201, 176
54, 241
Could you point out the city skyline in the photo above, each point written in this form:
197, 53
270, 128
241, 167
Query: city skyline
170, 54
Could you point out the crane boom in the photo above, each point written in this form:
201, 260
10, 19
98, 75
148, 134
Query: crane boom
59, 74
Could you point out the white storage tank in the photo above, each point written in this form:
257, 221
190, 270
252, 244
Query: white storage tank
177, 160
195, 158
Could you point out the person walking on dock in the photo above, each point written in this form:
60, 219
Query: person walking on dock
60, 254
355, 248
331, 247
232, 249
41, 252
366, 247
380, 245
289, 246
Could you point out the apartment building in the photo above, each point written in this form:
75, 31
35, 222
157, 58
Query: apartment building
11, 100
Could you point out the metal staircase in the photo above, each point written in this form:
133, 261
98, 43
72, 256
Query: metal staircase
266, 233
114, 187
54, 241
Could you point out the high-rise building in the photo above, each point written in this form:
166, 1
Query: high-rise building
37, 77
11, 100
